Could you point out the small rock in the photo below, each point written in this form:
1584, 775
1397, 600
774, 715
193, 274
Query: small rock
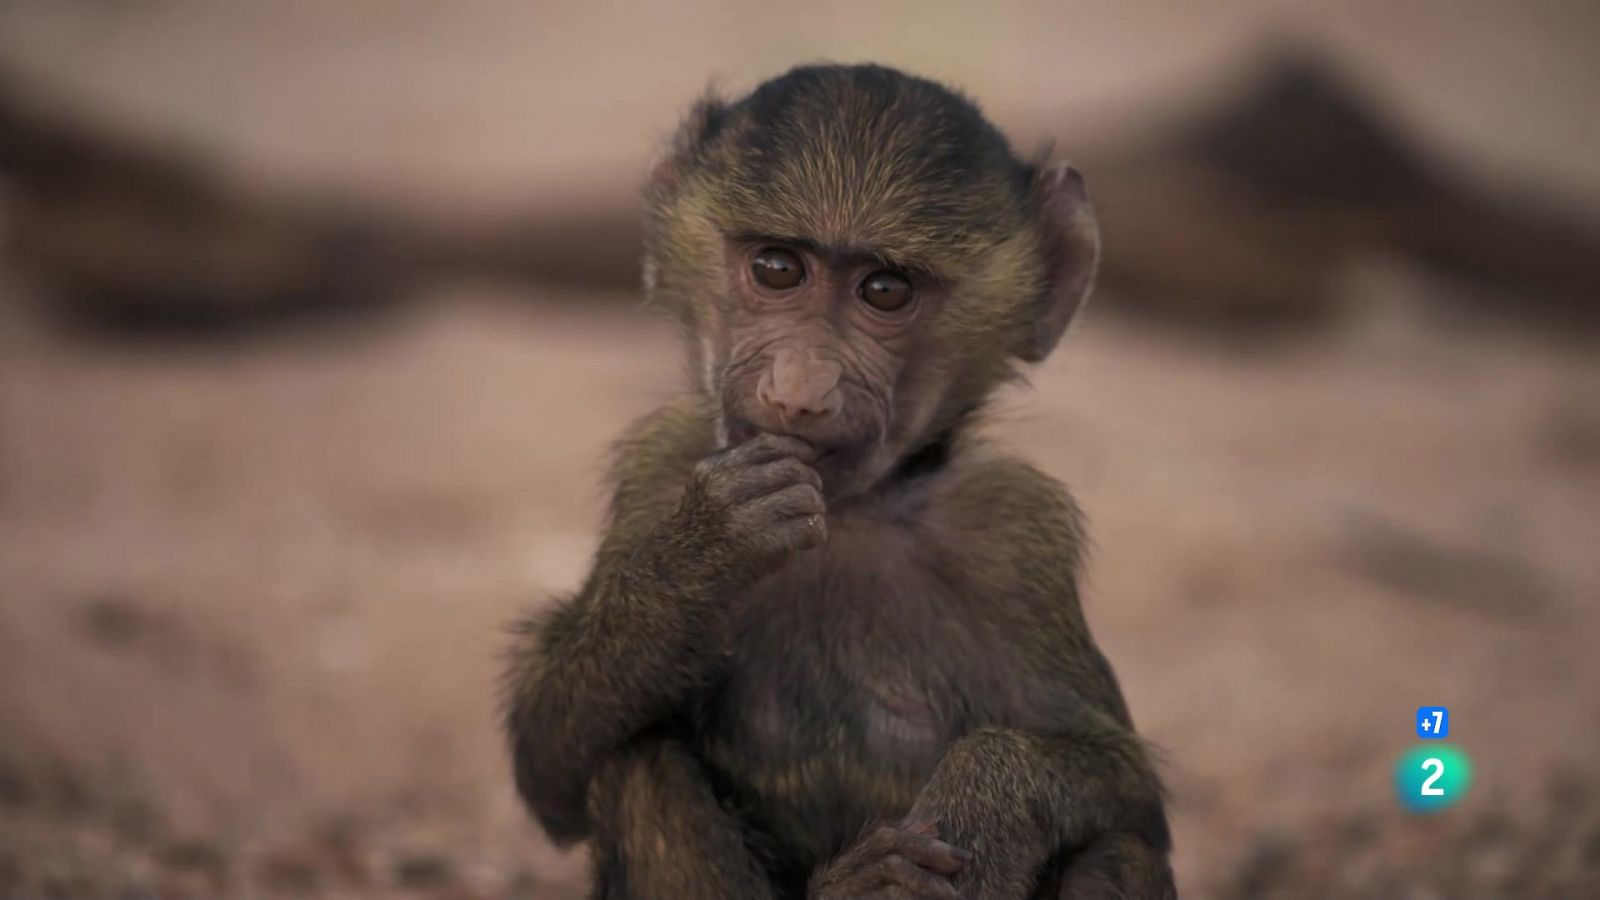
199, 860
288, 873
424, 870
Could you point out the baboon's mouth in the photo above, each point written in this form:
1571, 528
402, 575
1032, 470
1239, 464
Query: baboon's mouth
741, 430
738, 431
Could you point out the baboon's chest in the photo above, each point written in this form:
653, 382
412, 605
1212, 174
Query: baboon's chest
852, 671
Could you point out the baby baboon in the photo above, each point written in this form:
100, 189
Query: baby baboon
831, 645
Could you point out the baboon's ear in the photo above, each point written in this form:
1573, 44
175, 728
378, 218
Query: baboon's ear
1070, 239
700, 127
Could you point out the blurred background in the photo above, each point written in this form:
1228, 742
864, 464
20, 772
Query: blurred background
315, 318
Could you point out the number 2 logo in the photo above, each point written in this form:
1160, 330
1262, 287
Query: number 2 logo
1430, 777
1435, 764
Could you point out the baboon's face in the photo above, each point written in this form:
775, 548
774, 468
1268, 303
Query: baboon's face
860, 259
819, 343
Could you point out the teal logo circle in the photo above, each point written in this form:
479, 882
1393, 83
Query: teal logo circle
1432, 777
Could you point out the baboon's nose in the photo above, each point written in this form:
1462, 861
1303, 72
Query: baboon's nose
799, 389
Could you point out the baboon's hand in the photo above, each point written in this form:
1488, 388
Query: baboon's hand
762, 498
895, 861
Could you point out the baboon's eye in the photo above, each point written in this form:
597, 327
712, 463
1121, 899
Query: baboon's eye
777, 268
886, 291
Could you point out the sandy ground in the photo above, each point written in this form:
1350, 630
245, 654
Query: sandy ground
253, 595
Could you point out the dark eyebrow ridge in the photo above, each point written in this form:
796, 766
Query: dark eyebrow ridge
837, 255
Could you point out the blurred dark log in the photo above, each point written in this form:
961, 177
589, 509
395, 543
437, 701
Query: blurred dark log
598, 246
1240, 218
126, 234
1246, 214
